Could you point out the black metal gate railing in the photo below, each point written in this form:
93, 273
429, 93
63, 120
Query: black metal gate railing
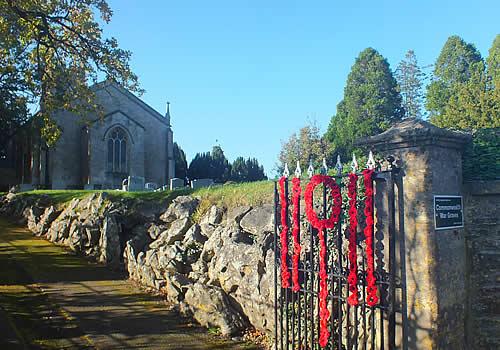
383, 326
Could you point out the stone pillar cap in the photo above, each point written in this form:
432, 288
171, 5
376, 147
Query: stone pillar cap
413, 132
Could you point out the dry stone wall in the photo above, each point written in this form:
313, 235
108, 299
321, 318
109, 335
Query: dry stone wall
218, 270
482, 226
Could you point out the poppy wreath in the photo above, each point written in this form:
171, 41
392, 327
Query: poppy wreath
296, 190
285, 274
321, 225
352, 278
371, 289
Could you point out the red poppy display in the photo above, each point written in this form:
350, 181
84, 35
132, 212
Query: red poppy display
352, 278
296, 190
371, 286
321, 225
285, 274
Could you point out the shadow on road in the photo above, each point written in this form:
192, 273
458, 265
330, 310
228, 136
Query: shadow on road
53, 299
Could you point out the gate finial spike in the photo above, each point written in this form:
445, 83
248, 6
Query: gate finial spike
324, 167
370, 164
298, 171
310, 170
286, 172
338, 166
354, 163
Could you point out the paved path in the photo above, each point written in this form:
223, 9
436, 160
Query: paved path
52, 299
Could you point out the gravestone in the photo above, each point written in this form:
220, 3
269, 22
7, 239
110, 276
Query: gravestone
125, 184
26, 187
151, 186
135, 183
176, 183
199, 183
92, 187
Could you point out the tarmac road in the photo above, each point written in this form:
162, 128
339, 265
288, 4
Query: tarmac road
52, 299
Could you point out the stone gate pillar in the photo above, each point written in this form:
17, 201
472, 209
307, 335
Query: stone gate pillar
431, 160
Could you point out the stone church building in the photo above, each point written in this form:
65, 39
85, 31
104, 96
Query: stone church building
129, 139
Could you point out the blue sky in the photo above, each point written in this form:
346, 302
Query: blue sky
250, 73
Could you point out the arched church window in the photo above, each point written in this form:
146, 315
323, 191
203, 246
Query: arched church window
117, 151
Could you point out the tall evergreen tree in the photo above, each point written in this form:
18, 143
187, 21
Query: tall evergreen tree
255, 171
452, 67
370, 105
181, 166
247, 170
472, 105
213, 165
220, 169
473, 101
239, 170
199, 168
493, 62
410, 80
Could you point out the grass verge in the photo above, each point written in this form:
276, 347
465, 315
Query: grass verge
229, 195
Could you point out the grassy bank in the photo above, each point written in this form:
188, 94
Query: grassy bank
229, 195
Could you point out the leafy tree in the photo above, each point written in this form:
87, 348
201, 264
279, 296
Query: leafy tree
49, 53
453, 66
180, 162
14, 114
410, 80
370, 105
304, 147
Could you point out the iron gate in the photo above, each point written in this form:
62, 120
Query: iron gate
297, 314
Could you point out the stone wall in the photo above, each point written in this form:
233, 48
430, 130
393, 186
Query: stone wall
482, 227
218, 270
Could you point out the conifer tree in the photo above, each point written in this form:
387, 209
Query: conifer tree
452, 67
410, 80
472, 99
180, 162
371, 103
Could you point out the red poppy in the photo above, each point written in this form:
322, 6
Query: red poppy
352, 278
321, 225
296, 190
285, 274
371, 289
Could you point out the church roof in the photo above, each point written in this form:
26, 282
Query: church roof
151, 111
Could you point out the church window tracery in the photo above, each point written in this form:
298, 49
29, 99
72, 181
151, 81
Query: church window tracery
117, 151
